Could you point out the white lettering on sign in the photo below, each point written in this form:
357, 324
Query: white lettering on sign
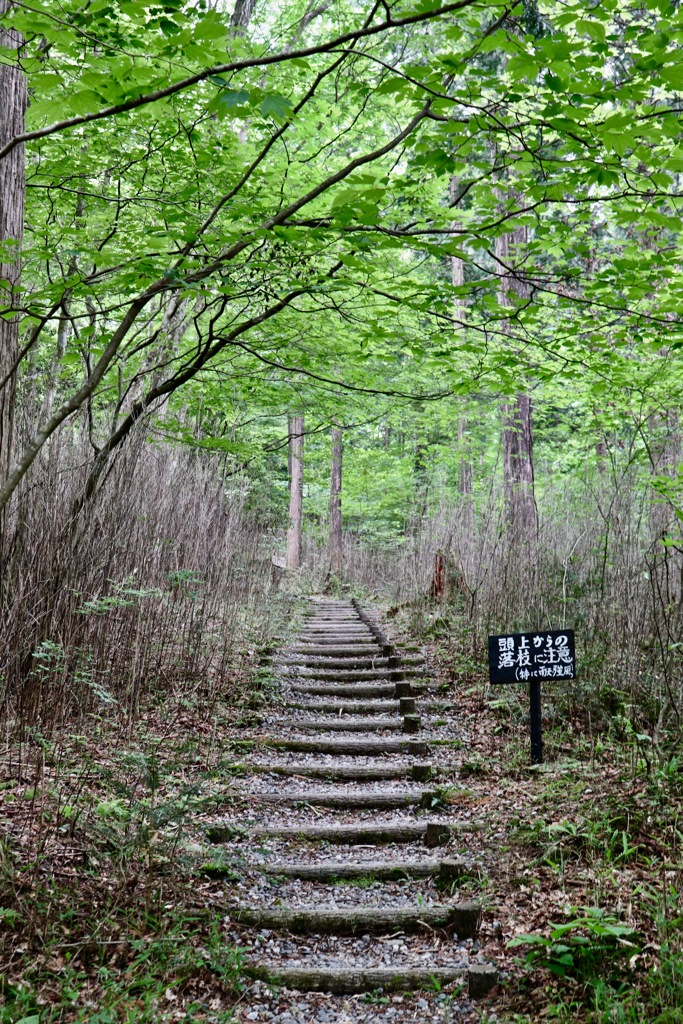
524, 656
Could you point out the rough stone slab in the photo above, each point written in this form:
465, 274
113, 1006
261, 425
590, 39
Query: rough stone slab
357, 661
342, 798
340, 771
338, 835
340, 628
357, 747
348, 707
341, 675
461, 918
362, 658
327, 871
340, 980
345, 689
345, 724
334, 648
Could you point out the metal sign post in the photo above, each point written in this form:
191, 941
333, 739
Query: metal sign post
547, 654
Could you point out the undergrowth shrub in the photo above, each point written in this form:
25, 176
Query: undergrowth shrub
600, 567
152, 587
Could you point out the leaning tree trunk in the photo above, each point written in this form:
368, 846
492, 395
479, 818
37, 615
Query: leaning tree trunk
518, 462
13, 98
296, 490
336, 553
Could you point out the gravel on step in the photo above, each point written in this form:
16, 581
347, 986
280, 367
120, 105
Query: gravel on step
257, 889
284, 1006
340, 951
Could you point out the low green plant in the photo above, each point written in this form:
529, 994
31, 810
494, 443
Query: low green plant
376, 997
588, 947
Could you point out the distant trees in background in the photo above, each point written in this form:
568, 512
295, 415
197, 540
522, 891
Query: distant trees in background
448, 234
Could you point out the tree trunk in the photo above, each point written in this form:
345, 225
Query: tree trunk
420, 476
336, 551
518, 469
13, 98
457, 268
242, 14
518, 463
296, 490
464, 450
665, 455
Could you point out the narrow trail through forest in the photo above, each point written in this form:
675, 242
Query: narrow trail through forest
354, 857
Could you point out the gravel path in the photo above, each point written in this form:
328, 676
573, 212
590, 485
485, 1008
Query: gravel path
321, 798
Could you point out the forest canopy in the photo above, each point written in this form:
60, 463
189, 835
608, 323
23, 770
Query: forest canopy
214, 214
448, 230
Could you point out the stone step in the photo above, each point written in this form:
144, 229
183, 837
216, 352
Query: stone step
348, 707
461, 918
351, 675
429, 833
349, 980
343, 724
447, 869
355, 747
334, 649
418, 772
342, 675
377, 690
339, 627
359, 660
369, 798
344, 632
343, 617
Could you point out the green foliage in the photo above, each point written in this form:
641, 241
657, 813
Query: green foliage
593, 944
263, 269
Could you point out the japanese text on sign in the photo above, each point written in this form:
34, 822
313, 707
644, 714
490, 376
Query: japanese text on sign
518, 657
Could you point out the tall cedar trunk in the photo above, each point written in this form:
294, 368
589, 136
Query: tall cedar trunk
459, 322
336, 553
13, 98
296, 490
518, 462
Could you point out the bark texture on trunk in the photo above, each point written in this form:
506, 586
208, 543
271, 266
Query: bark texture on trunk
518, 469
665, 455
296, 490
459, 322
518, 462
242, 14
336, 551
13, 98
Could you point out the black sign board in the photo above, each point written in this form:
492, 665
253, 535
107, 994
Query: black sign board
545, 655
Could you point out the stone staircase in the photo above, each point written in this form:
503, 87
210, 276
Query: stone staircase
348, 849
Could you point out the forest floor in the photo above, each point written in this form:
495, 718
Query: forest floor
106, 915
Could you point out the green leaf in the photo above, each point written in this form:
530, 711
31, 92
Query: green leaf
276, 106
